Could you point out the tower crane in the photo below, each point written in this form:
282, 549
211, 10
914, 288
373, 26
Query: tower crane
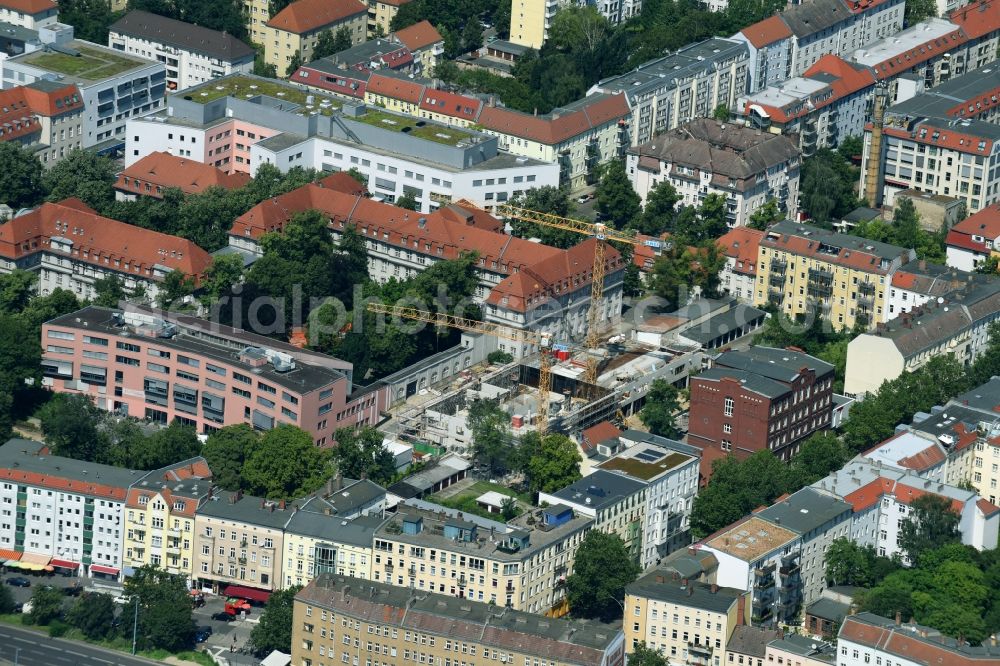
542, 340
595, 230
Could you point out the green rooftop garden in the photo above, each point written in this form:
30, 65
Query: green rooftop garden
644, 470
92, 64
447, 135
245, 88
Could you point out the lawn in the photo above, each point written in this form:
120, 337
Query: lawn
91, 64
448, 136
465, 500
242, 86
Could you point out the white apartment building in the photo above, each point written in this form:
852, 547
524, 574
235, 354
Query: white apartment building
30, 14
917, 283
671, 471
974, 239
745, 166
136, 87
53, 512
190, 53
866, 639
690, 83
739, 274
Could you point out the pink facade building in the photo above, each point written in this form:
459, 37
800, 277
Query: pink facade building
160, 366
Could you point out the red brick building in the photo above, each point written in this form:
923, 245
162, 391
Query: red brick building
762, 398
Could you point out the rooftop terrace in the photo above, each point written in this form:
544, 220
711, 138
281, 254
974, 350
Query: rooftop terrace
93, 64
445, 134
247, 87
646, 471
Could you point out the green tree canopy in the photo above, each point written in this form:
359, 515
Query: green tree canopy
660, 212
85, 175
285, 464
679, 270
491, 437
643, 655
164, 616
661, 408
601, 570
274, 631
550, 462
226, 451
931, 523
93, 615
109, 291
827, 186
848, 563
820, 454
70, 426
361, 453
617, 202
547, 199
21, 177
766, 215
46, 604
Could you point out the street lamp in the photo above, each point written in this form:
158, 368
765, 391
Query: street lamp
135, 623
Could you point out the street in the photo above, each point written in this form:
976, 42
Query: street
33, 649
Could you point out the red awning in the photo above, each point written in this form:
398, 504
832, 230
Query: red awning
249, 593
65, 564
100, 568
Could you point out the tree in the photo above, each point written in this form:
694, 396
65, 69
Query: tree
601, 570
820, 454
930, 524
680, 270
553, 461
7, 601
508, 509
175, 288
85, 175
166, 446
222, 275
93, 614
46, 604
547, 199
226, 451
827, 185
164, 615
721, 112
21, 177
285, 464
90, 19
408, 201
661, 407
361, 453
489, 425
274, 631
472, 35
643, 655
109, 291
918, 10
499, 357
20, 361
617, 202
848, 563
293, 64
766, 215
660, 211
325, 45
16, 290
69, 423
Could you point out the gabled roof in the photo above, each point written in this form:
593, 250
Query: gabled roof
395, 87
741, 243
840, 249
166, 170
452, 104
308, 15
914, 644
978, 18
764, 33
100, 241
813, 16
185, 36
605, 431
560, 125
52, 98
29, 6
419, 36
985, 223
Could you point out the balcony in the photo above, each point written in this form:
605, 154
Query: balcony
789, 569
775, 298
463, 581
819, 290
510, 587
389, 567
866, 288
779, 266
776, 280
412, 571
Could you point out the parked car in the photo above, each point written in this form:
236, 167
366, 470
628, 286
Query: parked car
223, 616
202, 634
19, 581
73, 590
584, 198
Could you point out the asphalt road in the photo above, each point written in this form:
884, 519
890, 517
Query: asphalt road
33, 649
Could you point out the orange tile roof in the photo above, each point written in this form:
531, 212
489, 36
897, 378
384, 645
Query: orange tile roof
985, 223
166, 170
452, 104
62, 484
308, 15
929, 457
342, 182
870, 494
848, 80
559, 126
909, 645
596, 434
396, 88
741, 243
394, 3
978, 18
54, 102
17, 119
419, 36
904, 62
169, 498
766, 32
949, 137
99, 240
29, 6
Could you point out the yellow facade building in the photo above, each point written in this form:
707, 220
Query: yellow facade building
687, 621
843, 278
318, 543
380, 15
341, 620
160, 517
297, 27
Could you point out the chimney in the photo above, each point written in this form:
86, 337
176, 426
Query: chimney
659, 579
899, 618
714, 588
281, 505
684, 581
690, 590
923, 264
329, 487
338, 482
741, 610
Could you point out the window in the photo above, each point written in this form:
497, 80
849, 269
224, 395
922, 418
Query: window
729, 404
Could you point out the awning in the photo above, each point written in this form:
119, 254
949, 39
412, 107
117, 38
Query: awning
250, 593
28, 566
65, 564
35, 558
101, 569
10, 555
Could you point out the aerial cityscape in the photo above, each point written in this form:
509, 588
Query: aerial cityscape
605, 333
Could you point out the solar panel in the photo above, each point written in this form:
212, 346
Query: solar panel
649, 455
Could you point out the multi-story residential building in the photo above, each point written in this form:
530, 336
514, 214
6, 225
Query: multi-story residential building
944, 156
844, 278
801, 651
918, 283
544, 303
615, 502
318, 543
206, 375
56, 512
880, 497
30, 14
379, 54
45, 117
519, 565
113, 86
966, 97
981, 26
739, 274
295, 29
422, 40
705, 156
687, 621
690, 83
530, 20
160, 517
867, 638
763, 559
956, 324
789, 43
824, 106
974, 239
761, 399
380, 15
191, 54
335, 611
748, 645
157, 172
280, 124
670, 470
70, 246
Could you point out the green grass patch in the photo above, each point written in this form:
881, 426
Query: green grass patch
91, 64
245, 87
446, 135
465, 501
195, 657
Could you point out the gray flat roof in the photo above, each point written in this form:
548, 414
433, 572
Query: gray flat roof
985, 397
752, 381
942, 98
23, 456
805, 511
185, 36
600, 489
828, 609
660, 585
844, 242
672, 444
247, 509
426, 478
782, 365
357, 532
721, 324
805, 646
750, 640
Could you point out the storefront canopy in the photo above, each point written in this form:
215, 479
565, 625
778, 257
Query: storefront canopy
9, 555
101, 569
249, 593
65, 564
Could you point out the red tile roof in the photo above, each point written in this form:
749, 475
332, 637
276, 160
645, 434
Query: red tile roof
766, 32
166, 170
452, 104
190, 503
870, 494
597, 434
100, 241
342, 182
909, 645
308, 15
978, 18
986, 507
859, 6
419, 36
931, 456
907, 60
347, 82
396, 88
848, 79
54, 102
805, 246
985, 223
29, 6
17, 119
741, 243
62, 484
559, 126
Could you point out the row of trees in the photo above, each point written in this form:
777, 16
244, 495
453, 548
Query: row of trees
905, 231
